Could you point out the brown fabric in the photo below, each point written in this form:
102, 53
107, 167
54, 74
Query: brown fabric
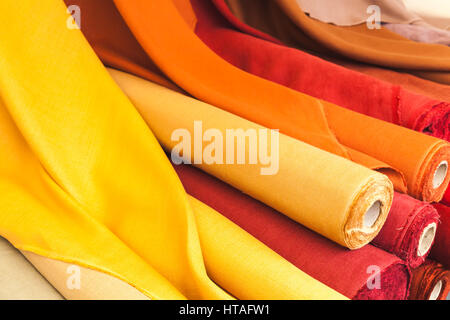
425, 279
284, 20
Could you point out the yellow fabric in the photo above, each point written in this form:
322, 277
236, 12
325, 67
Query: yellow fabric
322, 191
267, 275
82, 178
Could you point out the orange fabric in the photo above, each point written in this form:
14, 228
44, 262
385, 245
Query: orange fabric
410, 82
171, 43
113, 42
375, 46
174, 47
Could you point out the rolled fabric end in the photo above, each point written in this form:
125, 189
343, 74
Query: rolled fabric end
433, 175
368, 212
430, 281
436, 121
393, 284
410, 230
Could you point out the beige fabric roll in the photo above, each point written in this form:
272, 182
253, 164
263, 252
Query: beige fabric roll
19, 280
353, 12
434, 12
80, 283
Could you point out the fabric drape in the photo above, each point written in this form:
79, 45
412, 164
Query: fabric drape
348, 272
19, 280
285, 20
273, 106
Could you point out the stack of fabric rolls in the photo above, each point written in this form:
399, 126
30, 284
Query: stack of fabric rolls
224, 149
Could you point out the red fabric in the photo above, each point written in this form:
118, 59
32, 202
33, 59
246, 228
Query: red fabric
401, 233
425, 278
344, 270
314, 76
441, 249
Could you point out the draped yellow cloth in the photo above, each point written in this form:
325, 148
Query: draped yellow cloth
84, 181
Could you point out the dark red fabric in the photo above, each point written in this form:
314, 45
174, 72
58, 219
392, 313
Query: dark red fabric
401, 233
344, 270
316, 77
441, 249
425, 278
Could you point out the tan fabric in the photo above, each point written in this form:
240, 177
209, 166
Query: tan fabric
434, 12
353, 12
19, 280
93, 285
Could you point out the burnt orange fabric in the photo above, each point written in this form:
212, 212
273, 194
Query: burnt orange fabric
285, 20
426, 278
410, 82
168, 39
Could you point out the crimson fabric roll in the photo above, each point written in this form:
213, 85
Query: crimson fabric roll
348, 272
441, 249
430, 282
409, 230
264, 56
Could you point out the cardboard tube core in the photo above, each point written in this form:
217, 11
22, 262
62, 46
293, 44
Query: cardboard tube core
426, 239
440, 174
434, 295
371, 216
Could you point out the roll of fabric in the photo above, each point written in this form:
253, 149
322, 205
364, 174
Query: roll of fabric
369, 96
268, 276
440, 251
19, 280
341, 200
409, 231
273, 106
430, 282
352, 273
69, 191
285, 20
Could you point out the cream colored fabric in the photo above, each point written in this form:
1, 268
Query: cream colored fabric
19, 280
434, 12
79, 283
353, 12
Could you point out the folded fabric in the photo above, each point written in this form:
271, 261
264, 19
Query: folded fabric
374, 98
341, 200
285, 20
75, 181
435, 12
19, 280
420, 33
367, 273
430, 282
441, 249
274, 106
353, 12
253, 271
407, 81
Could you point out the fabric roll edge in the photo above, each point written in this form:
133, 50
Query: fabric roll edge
369, 212
430, 282
433, 176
